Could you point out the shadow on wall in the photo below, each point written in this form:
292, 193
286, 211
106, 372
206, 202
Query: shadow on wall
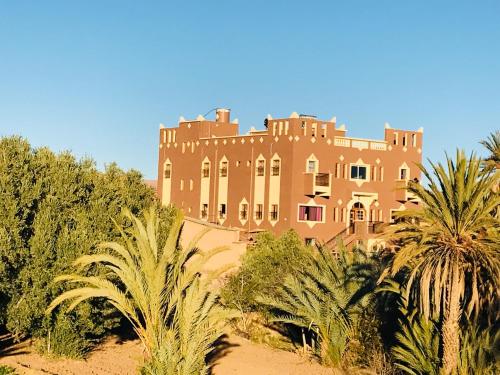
217, 236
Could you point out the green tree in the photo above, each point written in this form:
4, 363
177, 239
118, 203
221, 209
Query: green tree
53, 209
451, 247
161, 291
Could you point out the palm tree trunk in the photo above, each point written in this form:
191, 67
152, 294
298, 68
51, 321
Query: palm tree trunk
451, 330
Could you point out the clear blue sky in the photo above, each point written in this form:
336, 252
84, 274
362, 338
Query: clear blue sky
98, 77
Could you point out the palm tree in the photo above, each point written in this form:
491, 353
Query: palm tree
318, 300
451, 246
155, 289
492, 144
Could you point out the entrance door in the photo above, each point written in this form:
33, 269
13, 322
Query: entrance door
357, 215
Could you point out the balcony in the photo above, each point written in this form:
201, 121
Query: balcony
223, 172
402, 194
205, 172
317, 184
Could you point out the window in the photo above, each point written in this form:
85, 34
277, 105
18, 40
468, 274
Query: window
310, 213
223, 169
244, 211
336, 214
404, 140
168, 171
358, 172
337, 170
204, 210
259, 211
222, 211
357, 212
260, 167
311, 166
381, 174
414, 140
182, 185
191, 185
273, 215
323, 127
304, 127
205, 172
276, 168
313, 130
310, 241
395, 138
403, 174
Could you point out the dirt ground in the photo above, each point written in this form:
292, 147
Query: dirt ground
122, 358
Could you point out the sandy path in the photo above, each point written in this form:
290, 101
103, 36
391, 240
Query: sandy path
123, 358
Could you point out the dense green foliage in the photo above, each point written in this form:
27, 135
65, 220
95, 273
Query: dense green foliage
5, 370
160, 290
321, 299
54, 208
264, 268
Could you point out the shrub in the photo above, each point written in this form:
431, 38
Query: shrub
264, 268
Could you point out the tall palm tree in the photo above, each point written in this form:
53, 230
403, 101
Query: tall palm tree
492, 144
155, 289
451, 246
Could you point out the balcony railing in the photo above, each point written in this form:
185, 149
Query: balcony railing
260, 171
273, 215
258, 215
317, 184
322, 179
205, 172
222, 215
223, 172
360, 144
276, 171
243, 215
204, 214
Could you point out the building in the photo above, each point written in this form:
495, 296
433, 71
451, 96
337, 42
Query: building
300, 172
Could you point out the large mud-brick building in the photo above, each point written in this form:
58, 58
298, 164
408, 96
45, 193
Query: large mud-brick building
300, 172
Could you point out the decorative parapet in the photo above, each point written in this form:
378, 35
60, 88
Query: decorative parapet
360, 144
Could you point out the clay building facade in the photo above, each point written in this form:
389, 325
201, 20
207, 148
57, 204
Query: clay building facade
300, 172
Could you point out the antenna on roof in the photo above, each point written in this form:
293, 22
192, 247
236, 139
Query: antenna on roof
213, 109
